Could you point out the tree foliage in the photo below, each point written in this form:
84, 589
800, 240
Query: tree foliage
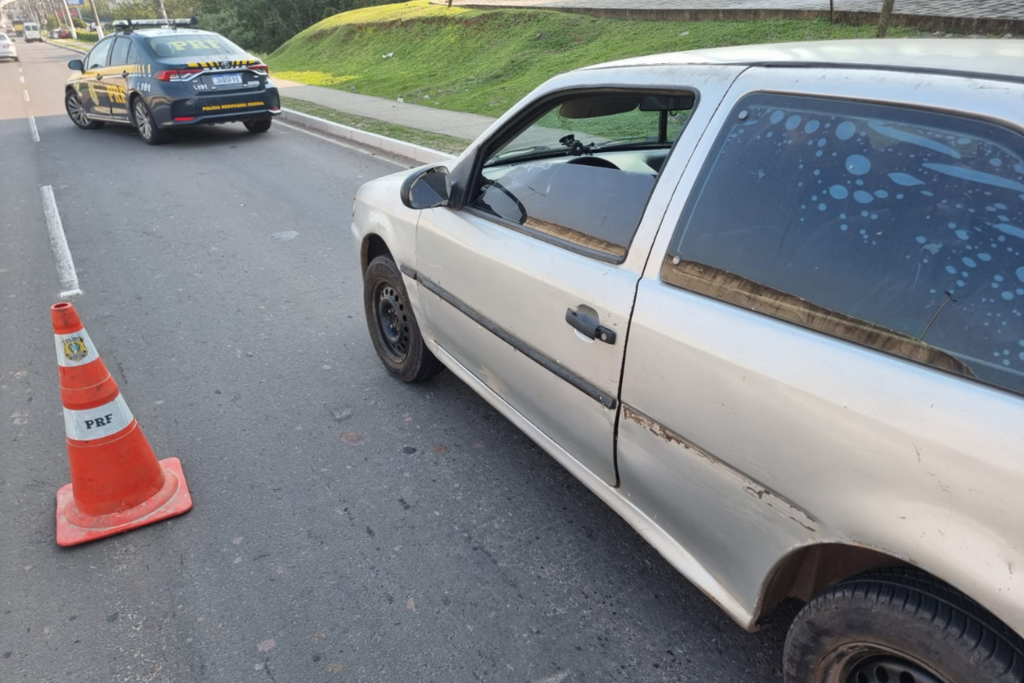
262, 25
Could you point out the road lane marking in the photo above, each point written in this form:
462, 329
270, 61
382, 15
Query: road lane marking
32, 127
21, 78
26, 95
59, 243
339, 143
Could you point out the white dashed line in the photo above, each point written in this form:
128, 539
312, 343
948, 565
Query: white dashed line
21, 78
26, 95
59, 243
32, 127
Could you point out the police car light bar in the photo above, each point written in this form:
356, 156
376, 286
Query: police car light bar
128, 25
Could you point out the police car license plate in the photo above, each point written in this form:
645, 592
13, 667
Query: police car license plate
227, 79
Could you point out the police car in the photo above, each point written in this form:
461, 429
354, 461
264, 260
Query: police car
158, 75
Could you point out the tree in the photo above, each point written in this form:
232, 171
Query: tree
885, 18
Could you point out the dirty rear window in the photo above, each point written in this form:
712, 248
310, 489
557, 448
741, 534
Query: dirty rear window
895, 228
202, 45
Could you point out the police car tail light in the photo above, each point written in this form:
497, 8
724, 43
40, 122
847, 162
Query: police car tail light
262, 68
175, 74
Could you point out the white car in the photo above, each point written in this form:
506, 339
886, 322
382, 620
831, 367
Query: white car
32, 32
767, 303
7, 48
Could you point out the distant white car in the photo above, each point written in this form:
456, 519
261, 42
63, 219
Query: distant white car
7, 48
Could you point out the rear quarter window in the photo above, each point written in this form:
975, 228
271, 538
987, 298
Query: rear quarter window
898, 229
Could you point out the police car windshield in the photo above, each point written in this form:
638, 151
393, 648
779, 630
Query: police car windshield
203, 45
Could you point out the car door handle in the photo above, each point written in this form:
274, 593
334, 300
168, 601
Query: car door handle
99, 77
124, 74
589, 326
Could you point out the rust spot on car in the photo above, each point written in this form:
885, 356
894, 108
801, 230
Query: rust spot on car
762, 493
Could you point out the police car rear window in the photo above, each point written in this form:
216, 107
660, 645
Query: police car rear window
192, 46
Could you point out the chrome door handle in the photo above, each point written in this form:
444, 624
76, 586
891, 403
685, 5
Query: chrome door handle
589, 326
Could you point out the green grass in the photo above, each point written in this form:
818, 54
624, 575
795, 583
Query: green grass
443, 143
485, 61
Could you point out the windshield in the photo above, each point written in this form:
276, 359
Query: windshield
31, 27
203, 45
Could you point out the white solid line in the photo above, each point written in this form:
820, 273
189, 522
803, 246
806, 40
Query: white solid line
59, 243
32, 127
362, 150
26, 95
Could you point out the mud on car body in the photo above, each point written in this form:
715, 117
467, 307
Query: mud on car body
158, 75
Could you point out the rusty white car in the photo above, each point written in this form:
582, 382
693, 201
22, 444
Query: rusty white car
766, 303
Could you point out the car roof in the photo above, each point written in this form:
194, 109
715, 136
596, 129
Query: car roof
1000, 58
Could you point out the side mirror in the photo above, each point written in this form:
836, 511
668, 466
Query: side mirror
76, 65
427, 189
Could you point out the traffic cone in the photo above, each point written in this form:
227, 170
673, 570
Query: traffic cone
117, 484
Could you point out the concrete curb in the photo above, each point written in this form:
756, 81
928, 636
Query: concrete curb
418, 153
79, 50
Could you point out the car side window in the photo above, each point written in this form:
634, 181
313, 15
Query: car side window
97, 57
898, 229
581, 173
119, 55
133, 55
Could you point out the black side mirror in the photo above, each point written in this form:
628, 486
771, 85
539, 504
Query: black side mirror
427, 189
76, 65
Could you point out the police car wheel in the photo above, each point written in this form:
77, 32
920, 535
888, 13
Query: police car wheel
258, 126
393, 328
145, 125
77, 112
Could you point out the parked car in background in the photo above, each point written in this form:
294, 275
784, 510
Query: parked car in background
816, 255
8, 50
63, 34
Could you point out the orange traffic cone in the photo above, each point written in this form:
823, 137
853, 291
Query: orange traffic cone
116, 482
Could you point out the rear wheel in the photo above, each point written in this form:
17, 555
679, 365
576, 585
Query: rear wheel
75, 109
393, 328
145, 125
900, 626
258, 126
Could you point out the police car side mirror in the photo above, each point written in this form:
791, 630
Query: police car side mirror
427, 189
76, 65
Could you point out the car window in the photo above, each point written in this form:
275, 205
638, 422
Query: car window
119, 55
204, 45
582, 172
97, 57
133, 55
898, 229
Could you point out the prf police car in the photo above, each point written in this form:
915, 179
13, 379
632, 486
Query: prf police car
159, 75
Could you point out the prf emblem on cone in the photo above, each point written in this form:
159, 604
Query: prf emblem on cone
117, 484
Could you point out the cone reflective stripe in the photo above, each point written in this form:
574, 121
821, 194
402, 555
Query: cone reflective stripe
117, 483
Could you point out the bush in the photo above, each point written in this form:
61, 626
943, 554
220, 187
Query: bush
87, 36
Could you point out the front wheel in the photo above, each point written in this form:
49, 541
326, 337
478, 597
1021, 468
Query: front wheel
258, 126
145, 125
900, 626
393, 328
76, 110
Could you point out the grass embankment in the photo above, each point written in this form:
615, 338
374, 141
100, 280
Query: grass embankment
484, 61
67, 42
443, 143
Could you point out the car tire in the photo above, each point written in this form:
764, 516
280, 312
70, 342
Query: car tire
900, 626
76, 112
392, 325
145, 125
258, 126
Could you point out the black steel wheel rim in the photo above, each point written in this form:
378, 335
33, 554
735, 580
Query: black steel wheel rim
392, 318
77, 111
890, 669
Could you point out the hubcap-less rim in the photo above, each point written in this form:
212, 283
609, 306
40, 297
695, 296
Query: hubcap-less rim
392, 322
77, 111
889, 669
142, 121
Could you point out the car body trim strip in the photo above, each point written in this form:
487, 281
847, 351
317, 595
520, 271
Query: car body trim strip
518, 344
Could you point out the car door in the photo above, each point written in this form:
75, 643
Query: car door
828, 341
91, 88
115, 76
529, 285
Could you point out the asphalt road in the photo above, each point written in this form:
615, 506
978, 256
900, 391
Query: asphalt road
346, 527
